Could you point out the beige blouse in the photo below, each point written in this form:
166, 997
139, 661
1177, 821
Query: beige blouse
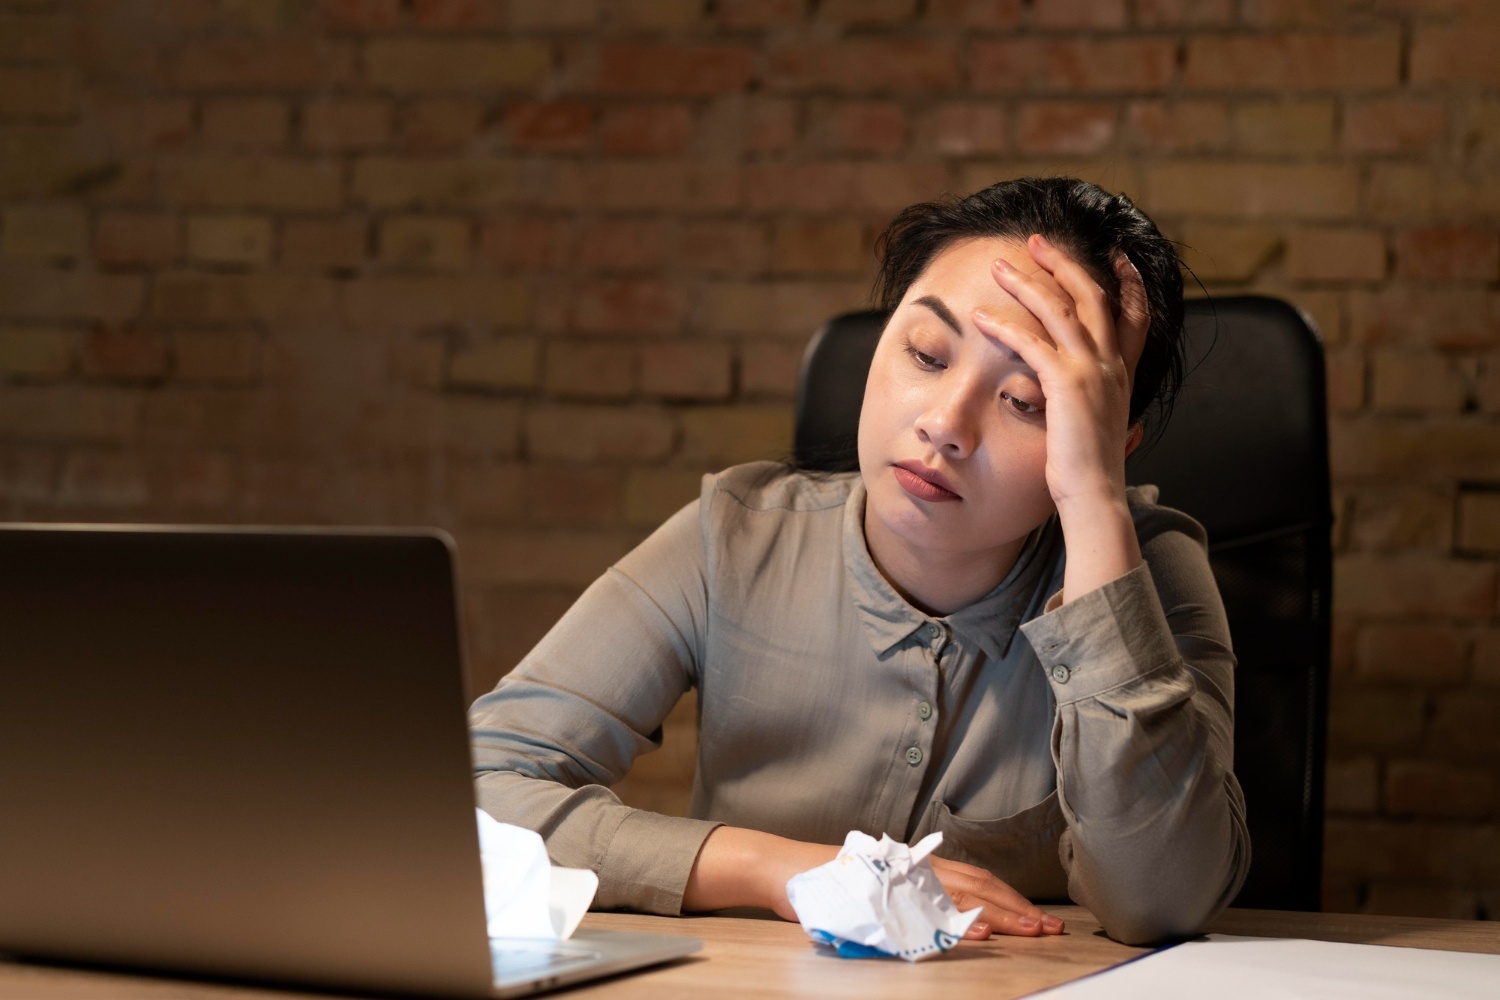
1078, 751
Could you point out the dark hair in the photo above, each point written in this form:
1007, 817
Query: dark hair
1087, 222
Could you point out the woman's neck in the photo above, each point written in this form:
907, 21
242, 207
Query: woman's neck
938, 582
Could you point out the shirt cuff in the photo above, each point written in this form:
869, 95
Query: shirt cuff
649, 860
1108, 637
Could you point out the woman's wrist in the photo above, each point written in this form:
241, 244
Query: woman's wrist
1099, 534
739, 867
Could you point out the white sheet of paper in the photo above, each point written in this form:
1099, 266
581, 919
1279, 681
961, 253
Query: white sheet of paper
525, 896
1225, 967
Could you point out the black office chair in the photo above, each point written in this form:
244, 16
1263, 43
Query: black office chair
1246, 453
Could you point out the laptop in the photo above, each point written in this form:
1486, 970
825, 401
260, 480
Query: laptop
242, 753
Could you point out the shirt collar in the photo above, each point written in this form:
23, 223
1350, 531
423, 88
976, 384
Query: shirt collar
989, 623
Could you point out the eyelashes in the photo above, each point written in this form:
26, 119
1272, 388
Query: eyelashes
1033, 407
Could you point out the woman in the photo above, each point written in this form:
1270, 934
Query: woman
982, 632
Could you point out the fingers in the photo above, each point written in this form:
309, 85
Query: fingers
1005, 911
1135, 311
1031, 347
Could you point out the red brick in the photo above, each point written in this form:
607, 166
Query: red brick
48, 294
814, 246
324, 242
890, 187
1487, 658
554, 15
1463, 725
31, 37
425, 241
686, 370
1281, 62
1107, 65
1379, 721
1428, 655
37, 92
264, 64
1439, 790
543, 558
728, 435
239, 181
589, 370
142, 238
122, 353
1428, 451
857, 127
36, 353
60, 414
965, 129
1402, 517
630, 306
1444, 852
771, 125
1431, 317
440, 124
1352, 786
1079, 14
439, 182
1393, 125
102, 481
549, 125
412, 302
741, 15
785, 308
1344, 253
1281, 127
256, 296
1178, 126
477, 64
1066, 127
1454, 55
56, 232
1479, 520
360, 15
623, 244
654, 494
496, 363
1415, 585
346, 123
727, 246
1449, 253
986, 15
248, 122
637, 129
229, 239
1313, 191
866, 13
864, 66
225, 356
1346, 380
27, 475
584, 434
1183, 13
806, 186
1414, 382
143, 123
664, 184
448, 15
680, 70
769, 368
525, 241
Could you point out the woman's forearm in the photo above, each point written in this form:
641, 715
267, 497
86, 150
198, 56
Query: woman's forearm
1101, 542
739, 867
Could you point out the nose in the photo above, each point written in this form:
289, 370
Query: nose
950, 421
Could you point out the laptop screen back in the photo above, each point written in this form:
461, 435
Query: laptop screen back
238, 752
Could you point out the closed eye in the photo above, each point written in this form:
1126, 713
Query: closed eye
924, 361
1023, 406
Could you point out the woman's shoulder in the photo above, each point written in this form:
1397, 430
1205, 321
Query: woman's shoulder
774, 487
1154, 519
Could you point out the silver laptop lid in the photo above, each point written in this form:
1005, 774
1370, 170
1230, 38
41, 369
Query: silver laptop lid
238, 752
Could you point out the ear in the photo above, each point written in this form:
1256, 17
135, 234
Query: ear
1134, 437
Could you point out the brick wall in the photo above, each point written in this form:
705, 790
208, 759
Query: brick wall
525, 269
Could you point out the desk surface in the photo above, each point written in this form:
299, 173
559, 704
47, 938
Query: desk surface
769, 958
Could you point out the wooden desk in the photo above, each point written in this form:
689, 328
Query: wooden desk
766, 958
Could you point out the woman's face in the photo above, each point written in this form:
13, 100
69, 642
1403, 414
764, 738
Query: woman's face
953, 430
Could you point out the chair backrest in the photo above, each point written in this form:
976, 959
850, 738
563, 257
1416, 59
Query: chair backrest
1246, 453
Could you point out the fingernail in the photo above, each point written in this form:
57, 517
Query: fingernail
1001, 264
981, 316
1048, 920
979, 928
1043, 240
1029, 922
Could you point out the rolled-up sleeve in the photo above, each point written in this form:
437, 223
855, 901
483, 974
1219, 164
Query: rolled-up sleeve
1142, 673
592, 696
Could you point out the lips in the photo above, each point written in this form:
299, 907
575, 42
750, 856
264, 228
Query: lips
924, 483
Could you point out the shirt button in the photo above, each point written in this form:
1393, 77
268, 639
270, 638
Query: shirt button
914, 756
933, 630
924, 710
1061, 673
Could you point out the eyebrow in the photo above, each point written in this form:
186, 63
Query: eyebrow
943, 312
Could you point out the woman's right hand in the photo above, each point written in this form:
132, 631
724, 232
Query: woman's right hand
738, 867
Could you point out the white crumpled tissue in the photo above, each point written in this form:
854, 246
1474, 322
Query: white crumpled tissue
879, 898
524, 895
